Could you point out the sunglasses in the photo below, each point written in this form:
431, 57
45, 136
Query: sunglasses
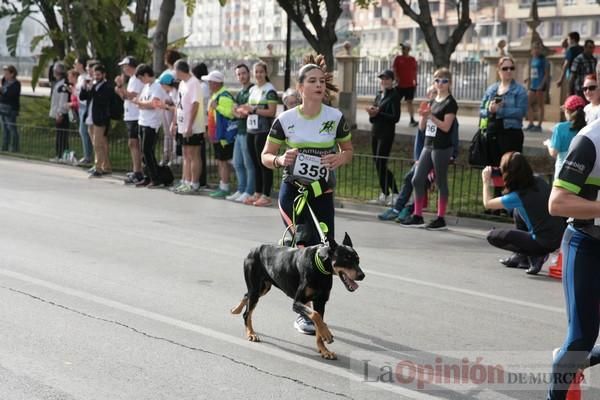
589, 88
507, 68
443, 81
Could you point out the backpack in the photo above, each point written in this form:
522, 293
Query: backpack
116, 106
226, 129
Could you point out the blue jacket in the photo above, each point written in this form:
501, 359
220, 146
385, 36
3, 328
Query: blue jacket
514, 106
420, 142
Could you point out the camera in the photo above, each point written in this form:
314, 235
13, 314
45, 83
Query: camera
496, 171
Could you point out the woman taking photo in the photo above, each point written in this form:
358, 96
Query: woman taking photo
261, 109
318, 141
502, 110
383, 115
536, 233
10, 96
437, 120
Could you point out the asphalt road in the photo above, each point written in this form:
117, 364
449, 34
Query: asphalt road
112, 292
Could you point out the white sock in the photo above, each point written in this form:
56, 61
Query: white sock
225, 187
195, 185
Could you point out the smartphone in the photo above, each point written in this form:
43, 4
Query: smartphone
497, 180
498, 99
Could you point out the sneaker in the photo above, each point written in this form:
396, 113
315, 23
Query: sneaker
530, 127
143, 183
514, 260
413, 123
84, 161
185, 189
96, 174
438, 224
234, 197
242, 198
405, 213
414, 221
219, 194
381, 199
388, 215
304, 325
264, 201
536, 264
91, 170
391, 199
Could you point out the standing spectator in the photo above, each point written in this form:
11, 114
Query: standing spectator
170, 86
150, 119
242, 162
10, 101
537, 234
189, 125
437, 120
171, 149
72, 76
262, 107
583, 65
220, 113
539, 74
564, 132
131, 115
80, 67
199, 71
99, 94
502, 110
592, 94
59, 110
291, 98
383, 115
405, 71
571, 53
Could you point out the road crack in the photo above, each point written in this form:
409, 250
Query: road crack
175, 343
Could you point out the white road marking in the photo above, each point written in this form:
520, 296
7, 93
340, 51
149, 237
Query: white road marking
467, 292
274, 352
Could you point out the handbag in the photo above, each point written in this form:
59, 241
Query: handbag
478, 150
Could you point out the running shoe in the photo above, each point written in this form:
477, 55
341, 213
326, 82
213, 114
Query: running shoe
155, 185
219, 194
414, 221
514, 260
530, 127
536, 264
234, 197
96, 174
304, 325
405, 213
413, 123
143, 183
243, 198
388, 215
438, 224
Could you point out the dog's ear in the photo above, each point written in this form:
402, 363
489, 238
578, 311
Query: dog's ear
332, 244
347, 241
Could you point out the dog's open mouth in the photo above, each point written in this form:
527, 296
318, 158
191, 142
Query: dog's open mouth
349, 283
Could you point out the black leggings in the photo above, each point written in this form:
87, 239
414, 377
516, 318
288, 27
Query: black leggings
322, 206
381, 150
62, 136
149, 137
518, 240
262, 174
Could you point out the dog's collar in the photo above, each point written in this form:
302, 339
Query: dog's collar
319, 264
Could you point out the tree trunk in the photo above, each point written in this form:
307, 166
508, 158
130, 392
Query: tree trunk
142, 16
47, 9
441, 51
324, 38
160, 38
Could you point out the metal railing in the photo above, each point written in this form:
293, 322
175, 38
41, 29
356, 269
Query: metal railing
357, 181
469, 78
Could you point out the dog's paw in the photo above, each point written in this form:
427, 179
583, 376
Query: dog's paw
253, 337
325, 334
328, 355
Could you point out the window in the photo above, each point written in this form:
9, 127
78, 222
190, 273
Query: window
522, 29
377, 12
584, 28
541, 3
570, 2
556, 28
597, 28
502, 29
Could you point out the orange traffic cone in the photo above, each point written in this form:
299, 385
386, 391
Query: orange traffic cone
574, 392
555, 271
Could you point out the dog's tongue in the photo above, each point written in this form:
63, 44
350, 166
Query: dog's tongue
353, 285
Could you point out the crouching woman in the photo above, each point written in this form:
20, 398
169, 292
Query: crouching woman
536, 233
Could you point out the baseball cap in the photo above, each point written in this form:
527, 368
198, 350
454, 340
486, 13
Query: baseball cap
405, 45
573, 102
129, 60
166, 79
214, 76
386, 74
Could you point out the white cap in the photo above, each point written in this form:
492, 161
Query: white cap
128, 61
214, 76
